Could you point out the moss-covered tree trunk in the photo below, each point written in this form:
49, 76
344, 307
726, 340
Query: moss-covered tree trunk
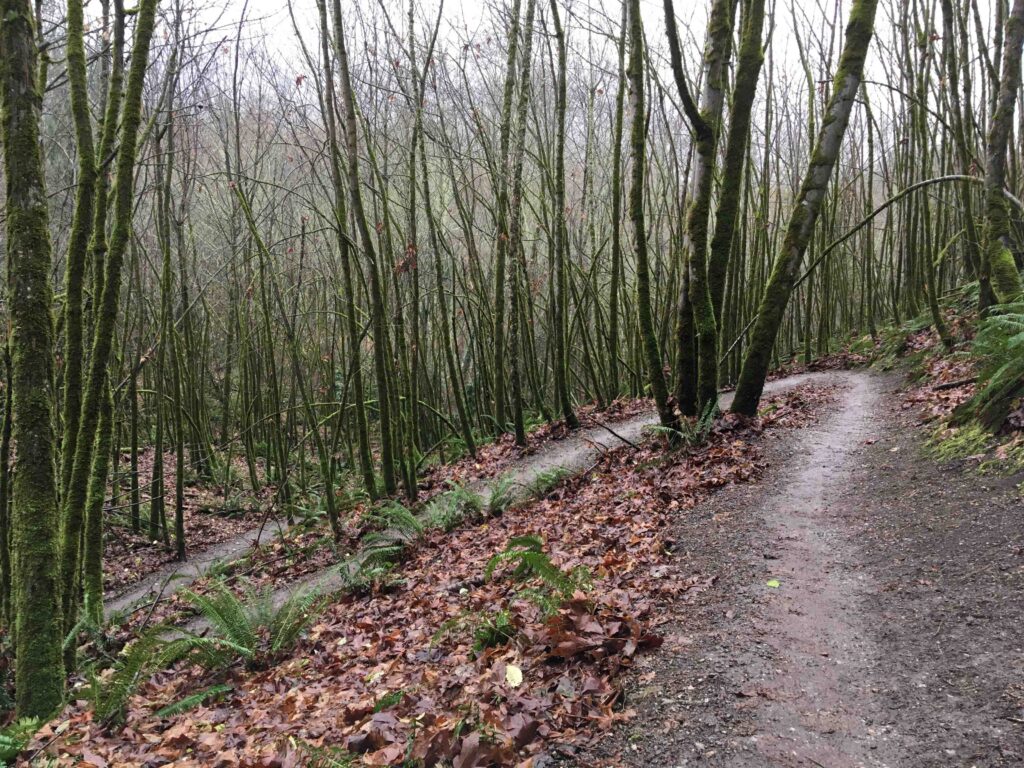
377, 317
78, 241
705, 122
38, 628
615, 281
501, 220
561, 233
638, 157
748, 71
998, 268
800, 228
95, 386
346, 257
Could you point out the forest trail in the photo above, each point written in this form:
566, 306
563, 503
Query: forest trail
573, 454
818, 705
857, 582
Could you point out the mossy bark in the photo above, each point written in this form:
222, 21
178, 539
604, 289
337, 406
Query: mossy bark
561, 244
998, 270
92, 559
38, 627
638, 151
377, 317
345, 253
748, 71
95, 386
5, 495
78, 241
518, 271
501, 220
705, 122
615, 281
859, 31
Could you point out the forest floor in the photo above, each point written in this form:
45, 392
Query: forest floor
868, 614
842, 600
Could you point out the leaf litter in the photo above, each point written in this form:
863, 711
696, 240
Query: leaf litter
377, 678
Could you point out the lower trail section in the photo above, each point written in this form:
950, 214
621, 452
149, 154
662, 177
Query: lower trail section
867, 612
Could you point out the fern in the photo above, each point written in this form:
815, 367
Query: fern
193, 701
396, 523
1000, 346
448, 510
530, 560
486, 631
493, 631
255, 631
501, 496
546, 480
370, 569
289, 621
15, 737
109, 691
226, 614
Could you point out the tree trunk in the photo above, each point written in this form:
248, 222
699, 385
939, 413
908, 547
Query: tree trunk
38, 628
998, 268
800, 228
638, 150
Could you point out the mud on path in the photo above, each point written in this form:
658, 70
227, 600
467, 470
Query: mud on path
868, 611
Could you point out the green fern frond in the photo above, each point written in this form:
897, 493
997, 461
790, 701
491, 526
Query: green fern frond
109, 693
999, 344
525, 552
502, 494
546, 480
396, 517
448, 510
193, 701
297, 612
16, 736
226, 613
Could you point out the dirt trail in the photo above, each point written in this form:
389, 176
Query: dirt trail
866, 614
818, 704
174, 576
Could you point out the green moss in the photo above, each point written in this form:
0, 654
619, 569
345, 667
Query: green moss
1007, 459
1006, 281
956, 443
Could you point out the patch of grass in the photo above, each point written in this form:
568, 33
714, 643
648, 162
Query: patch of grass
1007, 459
389, 700
326, 757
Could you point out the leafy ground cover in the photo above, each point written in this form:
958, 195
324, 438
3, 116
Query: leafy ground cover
460, 657
213, 515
